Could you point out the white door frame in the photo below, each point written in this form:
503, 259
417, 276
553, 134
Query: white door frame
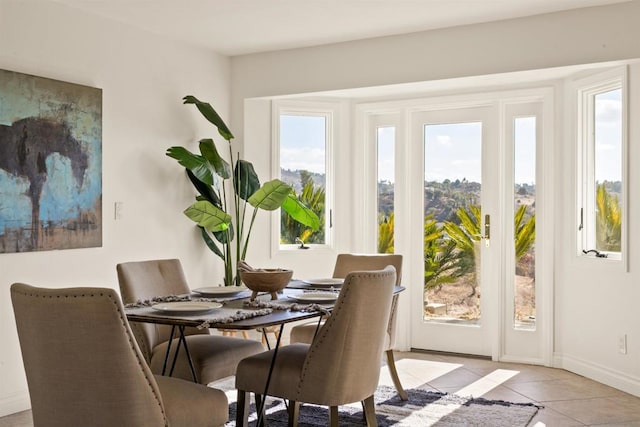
402, 109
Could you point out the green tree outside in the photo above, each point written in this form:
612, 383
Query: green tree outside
312, 196
608, 220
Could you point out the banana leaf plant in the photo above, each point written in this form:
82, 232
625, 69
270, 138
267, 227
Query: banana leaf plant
226, 197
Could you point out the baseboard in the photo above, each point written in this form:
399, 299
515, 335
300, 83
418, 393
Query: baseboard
611, 377
16, 403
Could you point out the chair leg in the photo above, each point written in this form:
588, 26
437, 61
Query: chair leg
370, 412
294, 411
391, 363
333, 416
242, 411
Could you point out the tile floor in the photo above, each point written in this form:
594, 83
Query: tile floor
568, 399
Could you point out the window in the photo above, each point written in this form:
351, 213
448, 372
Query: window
303, 147
601, 141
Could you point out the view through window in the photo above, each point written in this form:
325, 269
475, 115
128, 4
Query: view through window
524, 197
386, 177
303, 159
607, 187
452, 221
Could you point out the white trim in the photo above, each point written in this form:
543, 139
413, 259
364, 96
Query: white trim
446, 102
600, 373
370, 113
540, 341
582, 93
14, 403
330, 111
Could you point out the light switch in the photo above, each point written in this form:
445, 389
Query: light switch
117, 210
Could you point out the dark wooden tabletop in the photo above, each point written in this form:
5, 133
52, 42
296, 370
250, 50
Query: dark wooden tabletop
229, 308
232, 306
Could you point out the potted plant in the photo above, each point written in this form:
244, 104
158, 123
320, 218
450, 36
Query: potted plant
225, 196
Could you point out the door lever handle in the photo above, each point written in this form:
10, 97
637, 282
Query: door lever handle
487, 229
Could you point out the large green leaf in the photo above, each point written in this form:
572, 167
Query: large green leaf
298, 211
210, 114
209, 152
247, 181
208, 216
225, 237
210, 243
198, 165
525, 233
206, 191
270, 196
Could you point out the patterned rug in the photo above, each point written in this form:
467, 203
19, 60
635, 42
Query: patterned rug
424, 408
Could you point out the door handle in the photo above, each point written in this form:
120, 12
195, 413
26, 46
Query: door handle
487, 229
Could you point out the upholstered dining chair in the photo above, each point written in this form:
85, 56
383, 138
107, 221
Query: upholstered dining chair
84, 367
342, 365
214, 356
346, 263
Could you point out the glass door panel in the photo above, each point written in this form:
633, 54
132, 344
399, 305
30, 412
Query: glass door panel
385, 144
452, 221
524, 197
458, 179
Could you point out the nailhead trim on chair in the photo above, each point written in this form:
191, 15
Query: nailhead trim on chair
124, 325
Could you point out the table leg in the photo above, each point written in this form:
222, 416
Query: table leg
166, 356
318, 327
260, 409
186, 350
182, 340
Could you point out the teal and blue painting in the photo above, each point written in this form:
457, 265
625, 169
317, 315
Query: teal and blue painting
50, 164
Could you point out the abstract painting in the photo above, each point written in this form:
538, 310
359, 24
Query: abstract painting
50, 164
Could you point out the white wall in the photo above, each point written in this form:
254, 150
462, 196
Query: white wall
593, 303
143, 79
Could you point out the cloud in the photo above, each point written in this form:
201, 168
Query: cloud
443, 139
608, 111
312, 160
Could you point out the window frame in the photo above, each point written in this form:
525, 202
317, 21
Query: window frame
584, 93
306, 108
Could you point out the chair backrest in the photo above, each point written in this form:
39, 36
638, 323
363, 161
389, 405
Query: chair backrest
148, 279
346, 263
82, 364
140, 280
343, 362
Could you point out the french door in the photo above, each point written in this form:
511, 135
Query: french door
472, 218
456, 206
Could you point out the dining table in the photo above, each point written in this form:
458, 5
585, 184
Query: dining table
234, 310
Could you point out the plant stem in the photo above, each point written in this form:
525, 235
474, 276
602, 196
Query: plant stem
236, 199
246, 243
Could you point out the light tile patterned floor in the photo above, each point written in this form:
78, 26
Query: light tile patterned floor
568, 399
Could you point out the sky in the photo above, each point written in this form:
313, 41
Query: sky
302, 143
608, 136
453, 151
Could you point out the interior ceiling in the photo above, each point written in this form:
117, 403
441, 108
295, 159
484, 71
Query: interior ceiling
237, 27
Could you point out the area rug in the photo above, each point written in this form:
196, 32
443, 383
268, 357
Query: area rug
424, 408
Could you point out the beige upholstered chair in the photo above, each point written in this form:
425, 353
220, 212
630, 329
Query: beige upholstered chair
346, 263
214, 357
341, 366
85, 369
